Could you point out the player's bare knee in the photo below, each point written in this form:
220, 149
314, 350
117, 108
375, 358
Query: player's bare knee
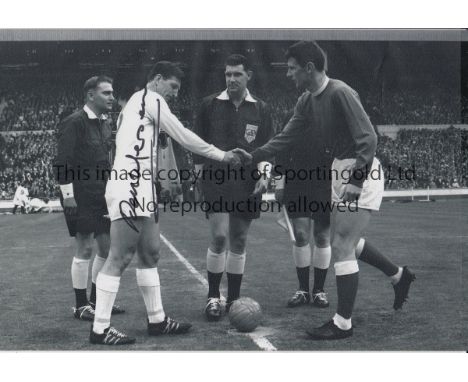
148, 259
302, 237
85, 251
152, 256
342, 249
238, 243
322, 240
218, 243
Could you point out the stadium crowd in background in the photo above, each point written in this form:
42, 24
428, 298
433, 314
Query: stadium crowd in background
37, 108
411, 107
27, 158
24, 108
439, 156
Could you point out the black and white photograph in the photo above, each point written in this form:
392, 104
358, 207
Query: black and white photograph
234, 190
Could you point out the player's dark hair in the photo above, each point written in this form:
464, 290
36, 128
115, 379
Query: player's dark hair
237, 59
307, 51
93, 82
167, 70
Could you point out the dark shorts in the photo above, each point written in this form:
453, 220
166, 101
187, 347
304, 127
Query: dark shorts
89, 216
303, 199
235, 199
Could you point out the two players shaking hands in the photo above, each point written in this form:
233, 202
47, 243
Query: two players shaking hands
239, 157
236, 158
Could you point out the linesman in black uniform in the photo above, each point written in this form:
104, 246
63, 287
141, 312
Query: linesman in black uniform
81, 167
307, 201
230, 119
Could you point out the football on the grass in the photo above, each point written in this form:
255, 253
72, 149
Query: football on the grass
245, 314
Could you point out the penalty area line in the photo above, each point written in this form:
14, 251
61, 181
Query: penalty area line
259, 340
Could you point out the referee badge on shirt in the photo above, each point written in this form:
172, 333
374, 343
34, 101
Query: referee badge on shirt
250, 133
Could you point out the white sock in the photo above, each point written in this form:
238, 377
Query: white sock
321, 258
235, 263
341, 322
79, 273
347, 267
215, 262
397, 276
98, 263
106, 291
301, 256
148, 282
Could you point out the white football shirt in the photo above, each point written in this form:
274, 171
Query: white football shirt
131, 181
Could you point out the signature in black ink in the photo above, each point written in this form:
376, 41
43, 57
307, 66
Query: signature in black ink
132, 203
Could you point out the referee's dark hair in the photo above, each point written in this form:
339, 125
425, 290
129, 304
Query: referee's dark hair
238, 59
166, 69
307, 51
93, 82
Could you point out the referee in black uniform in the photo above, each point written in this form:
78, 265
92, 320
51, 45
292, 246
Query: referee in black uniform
81, 167
230, 119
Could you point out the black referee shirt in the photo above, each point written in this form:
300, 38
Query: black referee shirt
84, 146
220, 123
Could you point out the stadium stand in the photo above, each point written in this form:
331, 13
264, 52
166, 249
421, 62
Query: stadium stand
393, 92
27, 158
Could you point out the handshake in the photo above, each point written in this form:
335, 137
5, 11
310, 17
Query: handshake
237, 157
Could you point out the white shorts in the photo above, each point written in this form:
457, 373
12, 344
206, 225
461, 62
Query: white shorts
120, 199
372, 189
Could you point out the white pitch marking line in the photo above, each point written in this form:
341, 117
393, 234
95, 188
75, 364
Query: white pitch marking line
263, 343
258, 338
184, 261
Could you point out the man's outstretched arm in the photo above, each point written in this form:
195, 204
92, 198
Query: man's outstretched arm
284, 140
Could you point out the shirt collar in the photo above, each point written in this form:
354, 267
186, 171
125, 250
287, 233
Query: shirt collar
91, 114
321, 88
224, 96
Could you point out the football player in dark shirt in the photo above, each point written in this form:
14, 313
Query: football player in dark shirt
333, 110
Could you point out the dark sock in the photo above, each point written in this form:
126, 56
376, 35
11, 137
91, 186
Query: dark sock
92, 296
303, 277
234, 284
81, 298
214, 280
374, 257
346, 286
319, 279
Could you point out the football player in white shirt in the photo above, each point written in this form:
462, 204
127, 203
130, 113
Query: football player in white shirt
132, 204
21, 198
